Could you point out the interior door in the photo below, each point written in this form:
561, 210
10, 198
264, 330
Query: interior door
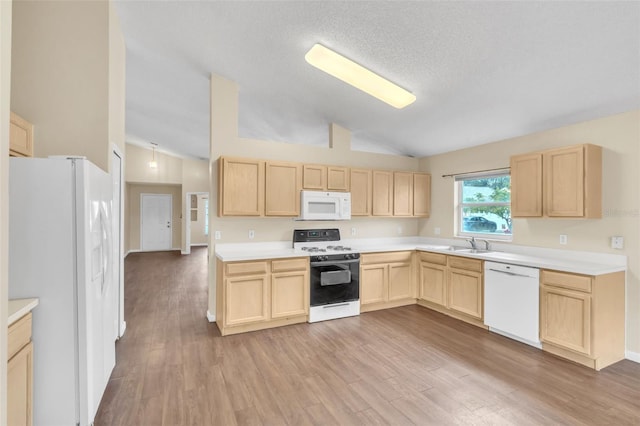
155, 226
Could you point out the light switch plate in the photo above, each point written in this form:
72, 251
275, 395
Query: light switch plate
353, 232
217, 235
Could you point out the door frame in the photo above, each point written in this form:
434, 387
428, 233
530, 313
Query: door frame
142, 195
122, 324
187, 220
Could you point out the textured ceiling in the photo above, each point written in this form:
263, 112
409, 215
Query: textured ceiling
481, 71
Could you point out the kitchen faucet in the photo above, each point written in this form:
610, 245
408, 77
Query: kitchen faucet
487, 247
472, 241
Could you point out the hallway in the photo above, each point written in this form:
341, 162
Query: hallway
406, 365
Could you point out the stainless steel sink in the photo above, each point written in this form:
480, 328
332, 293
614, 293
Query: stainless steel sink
472, 250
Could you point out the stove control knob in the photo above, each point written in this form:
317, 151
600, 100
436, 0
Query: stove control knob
323, 258
348, 256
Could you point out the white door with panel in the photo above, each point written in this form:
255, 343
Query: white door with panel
155, 218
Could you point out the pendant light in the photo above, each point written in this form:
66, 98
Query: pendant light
153, 163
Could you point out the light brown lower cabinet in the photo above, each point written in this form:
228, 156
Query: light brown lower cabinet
20, 373
452, 285
386, 280
255, 295
582, 317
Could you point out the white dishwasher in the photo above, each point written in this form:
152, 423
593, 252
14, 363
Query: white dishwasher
511, 301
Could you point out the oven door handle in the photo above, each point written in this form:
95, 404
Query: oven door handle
334, 262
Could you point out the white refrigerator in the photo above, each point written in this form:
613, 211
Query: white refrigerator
60, 251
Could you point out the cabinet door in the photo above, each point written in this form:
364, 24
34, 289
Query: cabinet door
421, 194
289, 294
20, 137
337, 178
465, 292
246, 299
565, 318
433, 285
564, 182
402, 194
526, 185
314, 177
400, 281
360, 192
283, 184
20, 387
240, 187
382, 183
373, 284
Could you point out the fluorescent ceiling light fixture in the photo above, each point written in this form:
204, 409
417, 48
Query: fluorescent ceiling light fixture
358, 76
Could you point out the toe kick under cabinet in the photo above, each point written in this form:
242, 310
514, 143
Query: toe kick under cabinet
258, 294
582, 317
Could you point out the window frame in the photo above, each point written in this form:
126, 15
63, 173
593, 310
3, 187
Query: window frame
460, 205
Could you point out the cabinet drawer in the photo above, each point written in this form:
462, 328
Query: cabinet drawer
388, 257
19, 335
290, 264
247, 268
571, 281
465, 263
439, 259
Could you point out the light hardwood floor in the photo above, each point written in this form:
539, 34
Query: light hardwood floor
399, 366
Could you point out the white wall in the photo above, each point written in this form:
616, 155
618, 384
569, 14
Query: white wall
619, 135
5, 90
60, 76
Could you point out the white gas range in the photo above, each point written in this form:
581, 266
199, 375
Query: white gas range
334, 274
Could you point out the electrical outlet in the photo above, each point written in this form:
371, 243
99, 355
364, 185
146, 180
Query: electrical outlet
436, 231
217, 235
563, 239
353, 232
252, 234
617, 243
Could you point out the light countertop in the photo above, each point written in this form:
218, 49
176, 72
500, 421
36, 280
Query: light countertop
587, 263
19, 308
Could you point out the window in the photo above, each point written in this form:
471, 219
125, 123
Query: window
484, 206
206, 216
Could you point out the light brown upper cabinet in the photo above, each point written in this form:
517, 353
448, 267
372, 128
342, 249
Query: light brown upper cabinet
337, 178
402, 194
421, 194
573, 181
526, 185
282, 188
20, 137
240, 187
325, 178
564, 182
382, 184
314, 177
360, 192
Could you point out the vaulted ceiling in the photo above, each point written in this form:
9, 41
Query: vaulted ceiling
481, 71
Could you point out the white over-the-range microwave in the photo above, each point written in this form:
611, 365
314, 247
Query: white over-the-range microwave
322, 205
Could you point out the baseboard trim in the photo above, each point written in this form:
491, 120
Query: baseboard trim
132, 251
183, 252
632, 356
200, 245
211, 317
123, 328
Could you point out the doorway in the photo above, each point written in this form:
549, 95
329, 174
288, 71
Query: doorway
196, 220
156, 222
117, 176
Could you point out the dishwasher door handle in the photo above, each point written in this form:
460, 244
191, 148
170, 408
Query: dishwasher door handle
513, 274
